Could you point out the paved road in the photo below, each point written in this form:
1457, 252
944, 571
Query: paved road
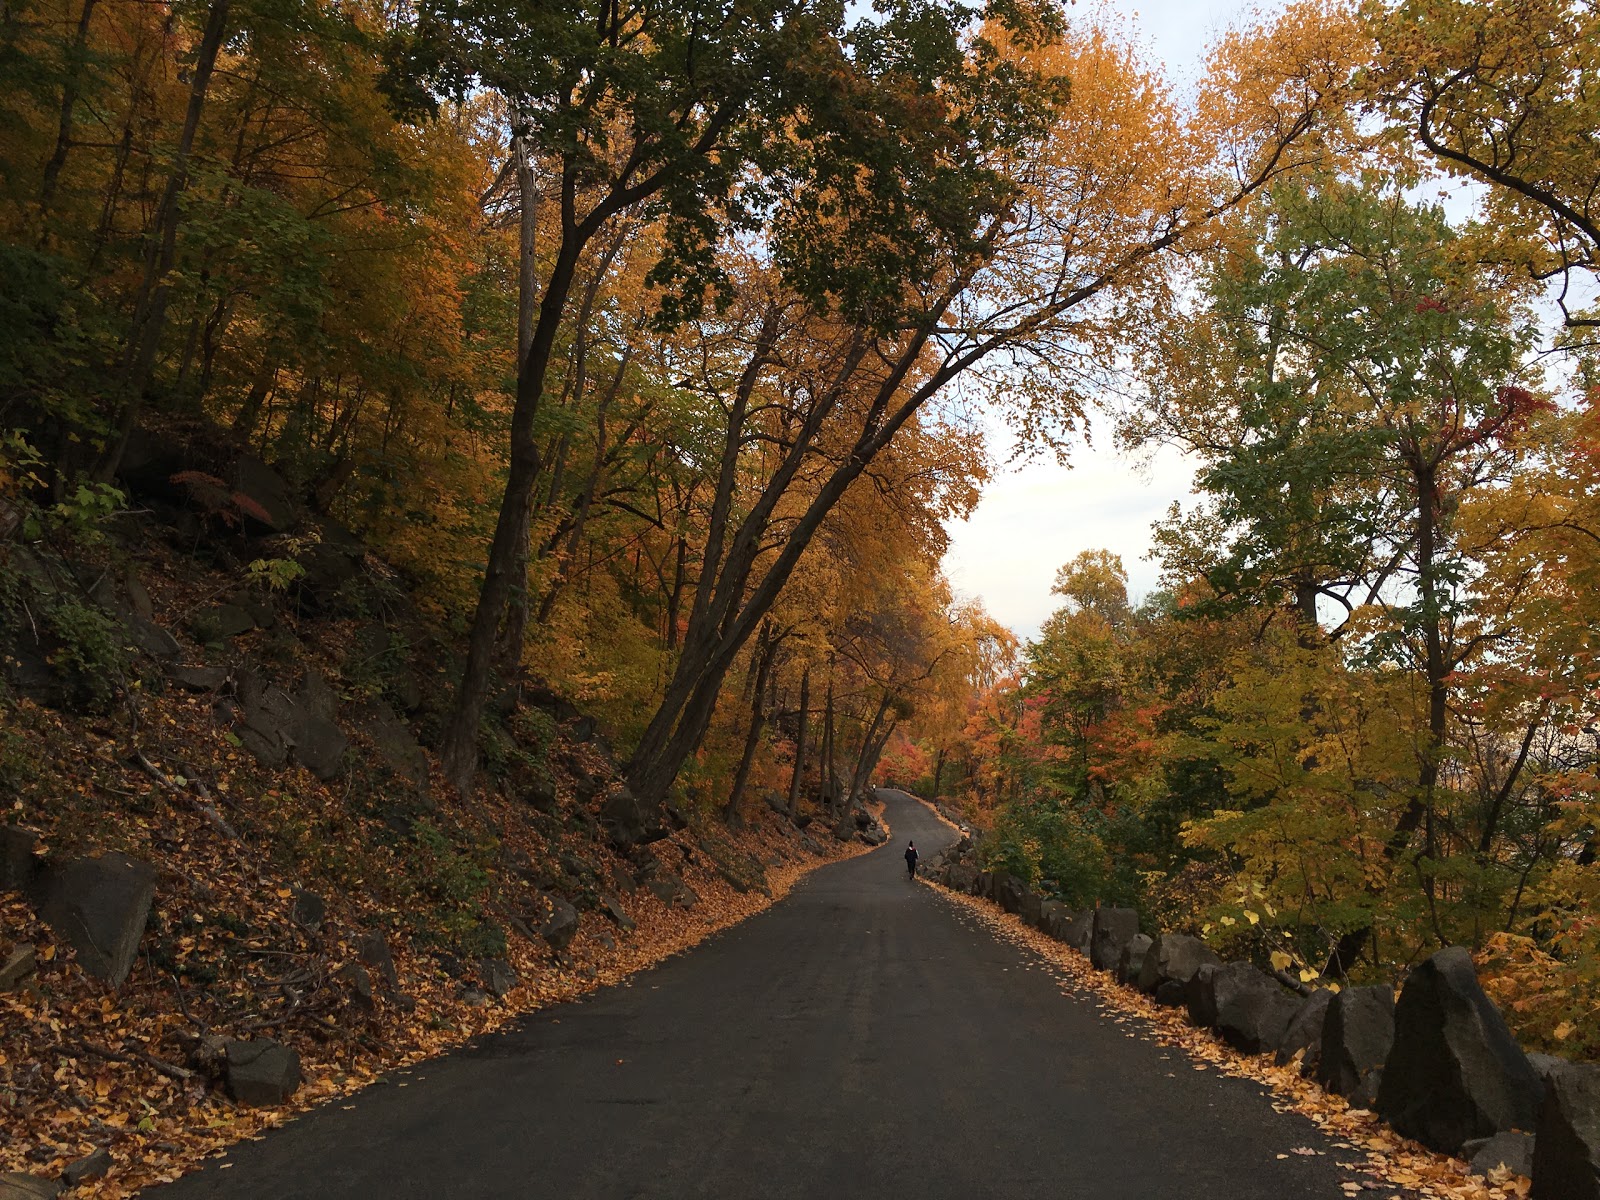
863, 1038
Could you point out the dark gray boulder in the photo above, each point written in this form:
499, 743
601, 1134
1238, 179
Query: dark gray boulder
88, 1168
1252, 1009
221, 622
1547, 1066
561, 926
359, 980
14, 1185
260, 1072
1566, 1153
1131, 959
612, 907
1032, 908
963, 877
874, 834
1114, 928
401, 754
1008, 892
1050, 911
671, 889
1511, 1150
99, 906
498, 976
1174, 957
1079, 931
1357, 1039
1304, 1033
1200, 998
372, 948
1171, 994
308, 910
18, 861
1455, 1072
630, 822
151, 639
19, 964
270, 507
198, 679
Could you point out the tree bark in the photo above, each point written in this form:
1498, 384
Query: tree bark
758, 713
800, 745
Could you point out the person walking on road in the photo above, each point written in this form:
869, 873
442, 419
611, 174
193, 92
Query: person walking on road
911, 860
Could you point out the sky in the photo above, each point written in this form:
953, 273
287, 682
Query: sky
1033, 519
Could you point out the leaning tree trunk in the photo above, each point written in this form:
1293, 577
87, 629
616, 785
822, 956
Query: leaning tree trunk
800, 745
758, 715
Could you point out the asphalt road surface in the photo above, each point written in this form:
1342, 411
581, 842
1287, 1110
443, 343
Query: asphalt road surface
863, 1037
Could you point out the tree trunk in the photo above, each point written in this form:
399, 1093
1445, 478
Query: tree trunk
758, 714
155, 291
69, 101
800, 745
938, 772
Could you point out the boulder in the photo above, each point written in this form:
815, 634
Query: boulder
874, 834
1174, 957
1304, 1033
99, 906
373, 950
670, 889
319, 745
308, 910
1455, 1072
16, 1186
962, 877
327, 564
1200, 998
1357, 1039
1114, 928
1511, 1151
88, 1168
1171, 994
401, 754
19, 964
1252, 1009
1008, 892
1079, 931
18, 862
1566, 1153
561, 926
630, 821
151, 639
360, 983
198, 679
221, 622
1547, 1066
1131, 959
1032, 908
270, 507
612, 907
260, 1072
1050, 912
497, 976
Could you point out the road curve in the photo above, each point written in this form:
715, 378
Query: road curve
861, 1038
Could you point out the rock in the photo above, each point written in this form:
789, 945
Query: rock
1304, 1034
17, 1186
1171, 994
777, 802
497, 975
561, 926
221, 622
612, 907
1032, 908
1131, 959
1114, 928
631, 822
1547, 1066
270, 507
266, 714
963, 877
88, 1168
18, 862
397, 747
1253, 1009
308, 910
1357, 1037
473, 998
1200, 998
1050, 913
19, 964
1511, 1150
99, 906
1566, 1153
1455, 1072
138, 595
332, 561
1008, 892
874, 835
198, 679
260, 1072
1079, 931
1174, 957
373, 950
319, 745
360, 983
151, 639
672, 890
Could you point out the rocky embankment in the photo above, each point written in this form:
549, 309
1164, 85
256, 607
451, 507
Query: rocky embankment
1436, 1062
232, 880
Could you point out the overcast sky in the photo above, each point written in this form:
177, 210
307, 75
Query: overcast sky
1032, 520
